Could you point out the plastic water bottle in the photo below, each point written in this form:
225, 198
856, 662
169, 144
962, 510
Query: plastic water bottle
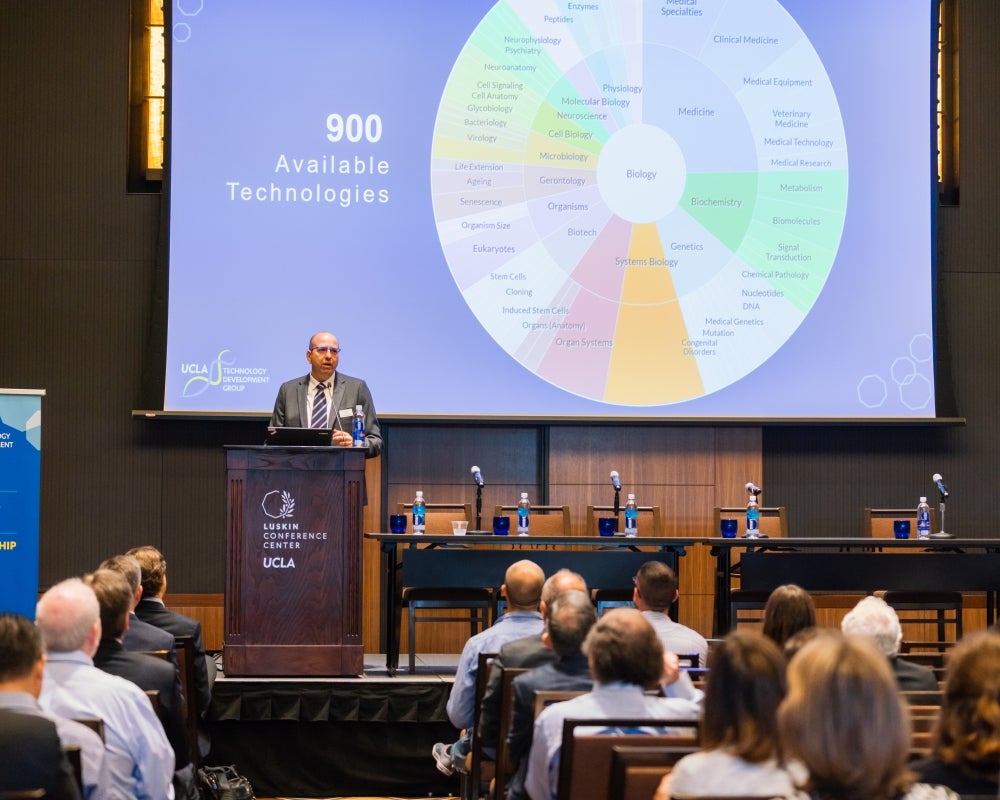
419, 513
631, 517
358, 431
753, 518
523, 515
923, 519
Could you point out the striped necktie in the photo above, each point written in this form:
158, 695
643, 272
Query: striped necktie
319, 407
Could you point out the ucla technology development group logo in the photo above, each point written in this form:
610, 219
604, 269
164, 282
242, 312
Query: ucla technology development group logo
222, 373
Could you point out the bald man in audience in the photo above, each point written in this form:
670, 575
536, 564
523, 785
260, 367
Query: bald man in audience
139, 758
22, 672
528, 652
522, 589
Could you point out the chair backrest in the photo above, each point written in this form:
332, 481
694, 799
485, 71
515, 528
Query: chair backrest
546, 697
476, 757
773, 519
877, 522
585, 758
636, 772
189, 708
546, 520
439, 516
653, 526
74, 755
96, 724
504, 768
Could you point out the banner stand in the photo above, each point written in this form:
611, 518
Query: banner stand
20, 498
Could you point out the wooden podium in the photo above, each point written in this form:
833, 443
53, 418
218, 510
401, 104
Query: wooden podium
293, 561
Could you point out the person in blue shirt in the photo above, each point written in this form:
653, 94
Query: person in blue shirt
522, 589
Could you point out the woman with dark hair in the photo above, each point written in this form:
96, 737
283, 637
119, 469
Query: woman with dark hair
789, 609
739, 735
844, 721
966, 750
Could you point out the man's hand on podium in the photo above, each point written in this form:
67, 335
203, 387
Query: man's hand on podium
341, 439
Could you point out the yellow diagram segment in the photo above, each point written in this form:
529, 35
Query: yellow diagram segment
648, 365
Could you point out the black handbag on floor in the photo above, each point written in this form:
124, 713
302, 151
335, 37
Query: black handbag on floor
224, 783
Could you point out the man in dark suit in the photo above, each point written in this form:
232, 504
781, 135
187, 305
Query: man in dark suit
571, 618
326, 398
33, 757
146, 672
152, 610
527, 652
874, 618
140, 636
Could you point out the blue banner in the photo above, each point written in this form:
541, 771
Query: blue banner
20, 496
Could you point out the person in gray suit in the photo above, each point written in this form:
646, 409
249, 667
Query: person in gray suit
297, 402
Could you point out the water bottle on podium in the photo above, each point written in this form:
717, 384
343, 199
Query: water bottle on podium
358, 430
523, 515
419, 513
631, 517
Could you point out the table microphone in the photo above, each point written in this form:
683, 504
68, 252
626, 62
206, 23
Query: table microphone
477, 476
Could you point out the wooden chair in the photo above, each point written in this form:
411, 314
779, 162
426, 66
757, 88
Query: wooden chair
636, 772
476, 603
154, 701
22, 794
96, 724
547, 697
504, 770
546, 520
74, 755
937, 608
189, 707
478, 775
774, 525
614, 598
585, 758
654, 524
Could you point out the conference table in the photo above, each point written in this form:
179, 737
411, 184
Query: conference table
443, 561
817, 564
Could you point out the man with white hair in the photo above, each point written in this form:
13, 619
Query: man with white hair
138, 757
875, 619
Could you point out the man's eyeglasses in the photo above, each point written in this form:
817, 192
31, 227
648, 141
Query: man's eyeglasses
332, 350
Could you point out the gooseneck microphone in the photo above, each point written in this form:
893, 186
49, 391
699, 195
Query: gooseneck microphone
477, 476
939, 482
615, 480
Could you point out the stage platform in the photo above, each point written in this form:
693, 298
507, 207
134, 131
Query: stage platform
324, 737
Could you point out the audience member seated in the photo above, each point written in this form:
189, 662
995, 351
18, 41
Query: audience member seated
966, 751
147, 672
139, 758
789, 609
655, 592
151, 609
569, 620
22, 671
875, 619
33, 758
626, 659
522, 589
844, 721
527, 652
739, 734
140, 635
800, 639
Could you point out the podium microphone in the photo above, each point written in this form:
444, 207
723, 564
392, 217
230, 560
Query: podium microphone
753, 489
477, 476
939, 482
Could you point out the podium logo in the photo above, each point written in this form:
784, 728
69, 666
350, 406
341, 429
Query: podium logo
278, 504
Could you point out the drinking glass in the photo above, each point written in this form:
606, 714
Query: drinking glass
501, 526
397, 523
